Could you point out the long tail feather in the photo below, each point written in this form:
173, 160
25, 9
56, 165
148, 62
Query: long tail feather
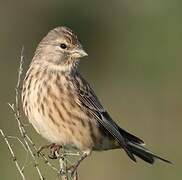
144, 153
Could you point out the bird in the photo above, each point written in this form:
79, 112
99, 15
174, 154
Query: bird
64, 109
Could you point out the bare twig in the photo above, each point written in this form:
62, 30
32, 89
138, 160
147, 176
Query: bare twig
24, 147
13, 155
63, 167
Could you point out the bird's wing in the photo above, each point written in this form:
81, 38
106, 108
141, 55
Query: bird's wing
88, 99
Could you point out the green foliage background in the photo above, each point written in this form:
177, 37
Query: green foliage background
134, 65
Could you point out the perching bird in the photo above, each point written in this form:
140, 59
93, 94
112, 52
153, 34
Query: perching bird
62, 106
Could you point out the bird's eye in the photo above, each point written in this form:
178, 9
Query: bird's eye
63, 46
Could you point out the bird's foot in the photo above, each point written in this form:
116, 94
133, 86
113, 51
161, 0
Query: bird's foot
54, 150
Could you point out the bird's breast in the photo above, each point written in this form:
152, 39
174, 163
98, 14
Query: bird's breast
50, 103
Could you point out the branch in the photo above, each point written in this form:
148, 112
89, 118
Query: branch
13, 155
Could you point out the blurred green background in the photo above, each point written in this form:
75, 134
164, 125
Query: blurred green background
134, 65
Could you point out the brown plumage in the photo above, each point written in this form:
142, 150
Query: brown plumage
62, 106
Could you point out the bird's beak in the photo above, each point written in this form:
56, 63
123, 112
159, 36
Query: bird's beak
79, 53
82, 53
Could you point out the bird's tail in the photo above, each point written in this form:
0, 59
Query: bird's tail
135, 146
143, 153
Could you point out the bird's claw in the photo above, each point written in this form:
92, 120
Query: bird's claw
54, 150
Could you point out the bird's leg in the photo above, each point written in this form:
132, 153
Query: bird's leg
73, 168
53, 149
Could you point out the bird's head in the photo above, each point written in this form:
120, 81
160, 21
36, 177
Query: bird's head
60, 47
